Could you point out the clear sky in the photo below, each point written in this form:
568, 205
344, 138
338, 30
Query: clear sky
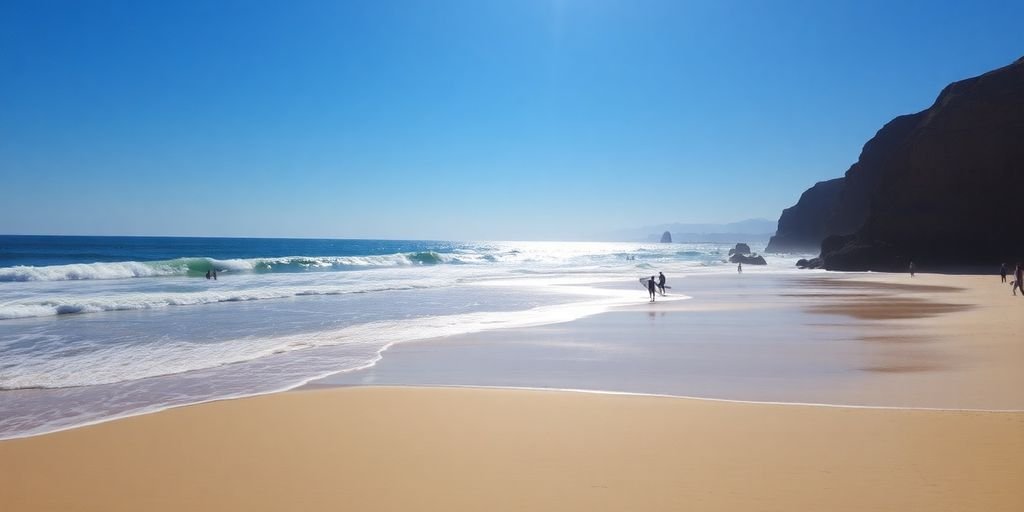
455, 120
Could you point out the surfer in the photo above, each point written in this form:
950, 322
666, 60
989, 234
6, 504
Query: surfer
651, 287
661, 283
214, 274
207, 274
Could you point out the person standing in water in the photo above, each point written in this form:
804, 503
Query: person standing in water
1002, 272
214, 274
661, 283
207, 274
651, 287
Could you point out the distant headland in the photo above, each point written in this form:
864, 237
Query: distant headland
944, 186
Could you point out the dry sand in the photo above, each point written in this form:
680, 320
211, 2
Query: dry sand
486, 449
476, 449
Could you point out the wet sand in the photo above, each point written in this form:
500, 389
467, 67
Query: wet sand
937, 341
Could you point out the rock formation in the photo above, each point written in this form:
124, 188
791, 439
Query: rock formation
944, 186
861, 179
939, 187
811, 263
741, 254
802, 226
751, 259
666, 238
741, 248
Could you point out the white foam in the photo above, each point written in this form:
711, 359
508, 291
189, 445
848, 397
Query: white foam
60, 305
118, 270
116, 363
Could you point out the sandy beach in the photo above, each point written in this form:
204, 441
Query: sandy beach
472, 449
935, 339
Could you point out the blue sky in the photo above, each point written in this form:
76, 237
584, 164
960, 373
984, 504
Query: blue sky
455, 120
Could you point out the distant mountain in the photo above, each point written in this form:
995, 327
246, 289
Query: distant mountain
742, 231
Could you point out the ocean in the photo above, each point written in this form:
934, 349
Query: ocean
94, 328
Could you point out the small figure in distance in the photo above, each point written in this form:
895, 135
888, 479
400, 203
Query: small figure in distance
1002, 272
651, 287
214, 274
661, 283
911, 269
1018, 276
207, 274
739, 268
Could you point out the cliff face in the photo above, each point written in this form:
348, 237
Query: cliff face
852, 205
802, 226
943, 186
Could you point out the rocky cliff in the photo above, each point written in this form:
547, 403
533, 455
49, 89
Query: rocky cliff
840, 206
944, 186
854, 201
802, 226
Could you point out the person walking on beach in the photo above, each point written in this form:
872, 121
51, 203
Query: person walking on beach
1002, 272
911, 269
661, 283
739, 268
651, 287
1018, 276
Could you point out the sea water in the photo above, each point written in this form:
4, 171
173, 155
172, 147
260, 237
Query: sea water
93, 328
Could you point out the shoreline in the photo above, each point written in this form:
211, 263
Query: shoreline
312, 380
691, 305
599, 392
596, 301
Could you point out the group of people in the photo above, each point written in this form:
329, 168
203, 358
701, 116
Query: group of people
211, 274
1018, 278
654, 287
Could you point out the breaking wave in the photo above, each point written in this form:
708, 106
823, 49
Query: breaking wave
199, 266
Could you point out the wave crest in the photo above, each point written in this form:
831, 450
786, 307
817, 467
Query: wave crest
198, 266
